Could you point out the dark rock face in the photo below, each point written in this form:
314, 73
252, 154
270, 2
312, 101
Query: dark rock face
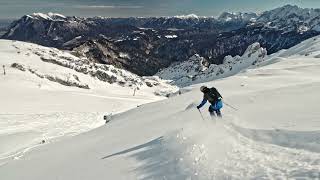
54, 32
18, 66
146, 45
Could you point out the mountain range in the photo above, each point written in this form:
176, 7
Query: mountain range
147, 45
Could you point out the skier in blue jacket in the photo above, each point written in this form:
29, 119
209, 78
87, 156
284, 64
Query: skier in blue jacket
215, 99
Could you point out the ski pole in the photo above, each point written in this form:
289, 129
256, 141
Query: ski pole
201, 114
230, 106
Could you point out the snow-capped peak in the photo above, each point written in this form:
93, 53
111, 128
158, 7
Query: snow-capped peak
232, 16
291, 18
56, 15
289, 13
50, 16
189, 16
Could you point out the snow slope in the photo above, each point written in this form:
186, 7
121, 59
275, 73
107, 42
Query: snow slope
47, 93
274, 135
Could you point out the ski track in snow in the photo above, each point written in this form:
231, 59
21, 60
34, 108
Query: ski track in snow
270, 160
179, 155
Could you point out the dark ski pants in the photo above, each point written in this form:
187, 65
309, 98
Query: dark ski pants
215, 108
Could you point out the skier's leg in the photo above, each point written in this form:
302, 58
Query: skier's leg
211, 111
219, 113
218, 107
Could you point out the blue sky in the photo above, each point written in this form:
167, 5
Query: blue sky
125, 8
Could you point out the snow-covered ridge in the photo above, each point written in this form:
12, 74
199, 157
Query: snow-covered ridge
189, 16
75, 71
230, 16
49, 16
307, 49
283, 17
197, 69
225, 16
291, 17
48, 94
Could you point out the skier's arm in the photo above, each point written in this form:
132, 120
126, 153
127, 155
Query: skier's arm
204, 101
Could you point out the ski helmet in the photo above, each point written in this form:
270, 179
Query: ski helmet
203, 88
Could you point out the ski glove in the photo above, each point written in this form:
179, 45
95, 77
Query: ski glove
204, 101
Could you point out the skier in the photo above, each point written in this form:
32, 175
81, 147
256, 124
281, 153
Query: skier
214, 97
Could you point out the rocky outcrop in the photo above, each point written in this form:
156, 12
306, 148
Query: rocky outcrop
70, 81
102, 72
18, 66
46, 65
196, 70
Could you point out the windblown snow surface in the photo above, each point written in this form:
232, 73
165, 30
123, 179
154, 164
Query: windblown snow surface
273, 135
